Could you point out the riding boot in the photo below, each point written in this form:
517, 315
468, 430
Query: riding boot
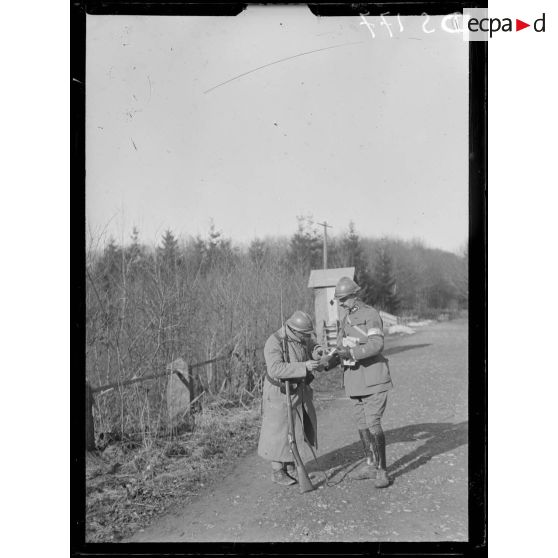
379, 449
368, 469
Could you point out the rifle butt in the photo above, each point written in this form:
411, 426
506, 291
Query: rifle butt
304, 482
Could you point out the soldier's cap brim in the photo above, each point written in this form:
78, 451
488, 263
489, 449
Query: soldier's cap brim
308, 332
338, 297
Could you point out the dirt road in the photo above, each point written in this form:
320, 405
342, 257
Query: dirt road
426, 433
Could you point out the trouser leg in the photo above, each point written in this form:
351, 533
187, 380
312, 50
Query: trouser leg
359, 416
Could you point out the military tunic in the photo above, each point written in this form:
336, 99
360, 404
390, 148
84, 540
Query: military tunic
273, 443
362, 330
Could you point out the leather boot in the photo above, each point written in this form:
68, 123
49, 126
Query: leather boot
379, 449
368, 469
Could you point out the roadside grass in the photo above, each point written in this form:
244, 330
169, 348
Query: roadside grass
129, 484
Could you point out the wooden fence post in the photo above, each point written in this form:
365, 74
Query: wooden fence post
191, 382
89, 425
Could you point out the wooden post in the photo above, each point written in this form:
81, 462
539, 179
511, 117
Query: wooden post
179, 396
325, 226
89, 424
191, 382
325, 244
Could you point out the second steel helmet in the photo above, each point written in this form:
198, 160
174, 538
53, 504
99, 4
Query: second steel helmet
346, 287
301, 322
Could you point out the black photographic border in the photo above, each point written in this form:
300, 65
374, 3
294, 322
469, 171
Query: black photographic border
478, 268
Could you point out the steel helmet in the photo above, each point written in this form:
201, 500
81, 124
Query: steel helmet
345, 287
301, 322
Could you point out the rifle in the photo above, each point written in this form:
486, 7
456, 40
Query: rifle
304, 481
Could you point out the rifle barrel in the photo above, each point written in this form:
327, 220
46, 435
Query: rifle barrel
304, 482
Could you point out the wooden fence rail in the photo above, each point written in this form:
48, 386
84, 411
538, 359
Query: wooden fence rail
157, 375
90, 390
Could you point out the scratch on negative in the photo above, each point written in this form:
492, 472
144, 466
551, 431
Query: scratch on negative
133, 143
277, 62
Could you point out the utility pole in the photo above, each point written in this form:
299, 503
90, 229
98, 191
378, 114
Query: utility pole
325, 226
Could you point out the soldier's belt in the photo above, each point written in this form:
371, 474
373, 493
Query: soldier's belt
279, 384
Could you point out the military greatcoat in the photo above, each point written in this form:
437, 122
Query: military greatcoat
274, 444
368, 373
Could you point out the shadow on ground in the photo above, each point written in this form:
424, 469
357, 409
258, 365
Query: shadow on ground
437, 438
395, 350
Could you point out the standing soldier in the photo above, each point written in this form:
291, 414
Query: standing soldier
366, 376
296, 367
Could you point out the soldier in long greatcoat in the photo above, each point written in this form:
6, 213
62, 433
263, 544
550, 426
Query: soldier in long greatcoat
366, 376
296, 367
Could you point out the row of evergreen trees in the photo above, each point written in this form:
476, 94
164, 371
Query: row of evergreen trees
396, 276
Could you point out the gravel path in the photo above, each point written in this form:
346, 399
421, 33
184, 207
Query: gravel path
426, 433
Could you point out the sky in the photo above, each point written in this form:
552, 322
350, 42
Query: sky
181, 132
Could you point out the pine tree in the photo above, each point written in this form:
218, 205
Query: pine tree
169, 248
257, 252
110, 267
353, 256
384, 288
305, 247
168, 255
111, 263
334, 253
215, 250
462, 279
218, 249
134, 253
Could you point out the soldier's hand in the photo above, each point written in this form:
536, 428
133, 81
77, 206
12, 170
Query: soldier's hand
327, 362
318, 352
311, 365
